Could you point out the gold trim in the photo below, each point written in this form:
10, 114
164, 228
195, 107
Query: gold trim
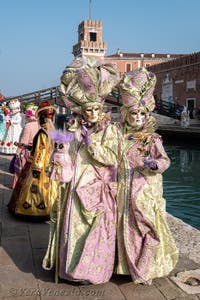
44, 108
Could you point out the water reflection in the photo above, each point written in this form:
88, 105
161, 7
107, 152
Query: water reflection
182, 183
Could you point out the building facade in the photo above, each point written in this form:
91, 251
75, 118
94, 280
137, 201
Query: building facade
178, 82
90, 44
127, 62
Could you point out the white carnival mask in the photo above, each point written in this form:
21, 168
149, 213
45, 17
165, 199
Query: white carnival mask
14, 104
136, 118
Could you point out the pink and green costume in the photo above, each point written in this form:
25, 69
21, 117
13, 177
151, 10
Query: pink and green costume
83, 247
145, 246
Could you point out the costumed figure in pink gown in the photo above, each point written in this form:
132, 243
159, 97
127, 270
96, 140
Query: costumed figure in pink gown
24, 145
83, 222
145, 246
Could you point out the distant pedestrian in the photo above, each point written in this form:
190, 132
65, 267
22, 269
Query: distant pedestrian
191, 113
197, 114
178, 111
185, 118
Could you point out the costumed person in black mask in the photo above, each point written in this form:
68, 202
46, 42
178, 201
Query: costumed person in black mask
34, 194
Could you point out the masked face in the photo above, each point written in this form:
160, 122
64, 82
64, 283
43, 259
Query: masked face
136, 118
92, 113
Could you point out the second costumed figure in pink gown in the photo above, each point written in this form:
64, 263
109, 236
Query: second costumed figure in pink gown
145, 246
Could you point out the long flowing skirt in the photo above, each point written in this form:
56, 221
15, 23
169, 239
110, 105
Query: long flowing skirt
33, 196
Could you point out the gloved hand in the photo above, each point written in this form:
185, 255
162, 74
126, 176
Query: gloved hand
150, 163
85, 135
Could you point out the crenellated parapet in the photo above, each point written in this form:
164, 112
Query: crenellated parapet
90, 41
180, 62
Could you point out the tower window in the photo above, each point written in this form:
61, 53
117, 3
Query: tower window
93, 37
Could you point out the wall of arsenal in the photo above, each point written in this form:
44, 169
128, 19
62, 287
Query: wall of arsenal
178, 81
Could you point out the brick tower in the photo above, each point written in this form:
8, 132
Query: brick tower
90, 42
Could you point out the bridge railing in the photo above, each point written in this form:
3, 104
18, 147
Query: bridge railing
52, 94
168, 109
165, 108
37, 96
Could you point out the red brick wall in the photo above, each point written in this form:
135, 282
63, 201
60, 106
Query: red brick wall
180, 70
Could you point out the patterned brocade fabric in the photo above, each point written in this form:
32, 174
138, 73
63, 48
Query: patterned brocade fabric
87, 214
146, 248
34, 193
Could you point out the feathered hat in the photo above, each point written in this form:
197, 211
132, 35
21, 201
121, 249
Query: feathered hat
30, 110
87, 81
45, 108
6, 110
14, 105
136, 89
60, 136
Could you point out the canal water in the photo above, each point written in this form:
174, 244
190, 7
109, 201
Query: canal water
181, 182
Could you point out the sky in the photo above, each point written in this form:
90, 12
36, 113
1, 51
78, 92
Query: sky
37, 36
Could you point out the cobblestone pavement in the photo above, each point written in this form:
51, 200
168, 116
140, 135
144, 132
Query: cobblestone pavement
23, 245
